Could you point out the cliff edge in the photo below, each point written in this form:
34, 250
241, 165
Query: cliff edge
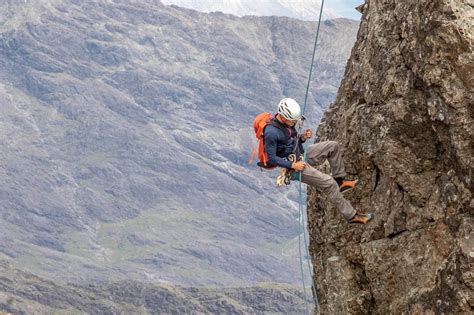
403, 115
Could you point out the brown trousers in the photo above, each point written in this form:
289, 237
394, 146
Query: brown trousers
317, 153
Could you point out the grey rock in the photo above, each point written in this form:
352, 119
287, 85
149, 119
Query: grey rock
404, 117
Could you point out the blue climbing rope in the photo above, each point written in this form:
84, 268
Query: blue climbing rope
302, 219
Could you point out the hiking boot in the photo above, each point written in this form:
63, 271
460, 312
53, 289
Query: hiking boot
347, 185
361, 218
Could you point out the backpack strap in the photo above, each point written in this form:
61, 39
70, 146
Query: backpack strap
275, 123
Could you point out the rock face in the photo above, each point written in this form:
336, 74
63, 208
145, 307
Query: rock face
404, 117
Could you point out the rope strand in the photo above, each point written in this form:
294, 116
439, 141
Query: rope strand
301, 207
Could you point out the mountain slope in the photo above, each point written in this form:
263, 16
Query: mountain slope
24, 293
307, 10
125, 130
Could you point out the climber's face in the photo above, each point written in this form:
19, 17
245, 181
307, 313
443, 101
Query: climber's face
288, 122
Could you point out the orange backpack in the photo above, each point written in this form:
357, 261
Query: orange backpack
259, 124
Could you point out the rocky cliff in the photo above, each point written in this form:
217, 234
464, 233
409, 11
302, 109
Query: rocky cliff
404, 117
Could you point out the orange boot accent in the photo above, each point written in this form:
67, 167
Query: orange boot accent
361, 218
347, 185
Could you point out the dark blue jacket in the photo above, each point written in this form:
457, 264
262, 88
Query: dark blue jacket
279, 141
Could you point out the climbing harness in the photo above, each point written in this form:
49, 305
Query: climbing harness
287, 175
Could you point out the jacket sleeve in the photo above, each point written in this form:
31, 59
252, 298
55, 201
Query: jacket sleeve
271, 139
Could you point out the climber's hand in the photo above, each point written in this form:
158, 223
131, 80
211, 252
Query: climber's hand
298, 166
308, 133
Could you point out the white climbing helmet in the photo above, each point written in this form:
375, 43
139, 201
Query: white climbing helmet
289, 109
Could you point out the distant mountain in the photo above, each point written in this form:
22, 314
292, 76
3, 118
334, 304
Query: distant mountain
307, 10
29, 294
125, 131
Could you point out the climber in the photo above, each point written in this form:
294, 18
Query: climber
280, 140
